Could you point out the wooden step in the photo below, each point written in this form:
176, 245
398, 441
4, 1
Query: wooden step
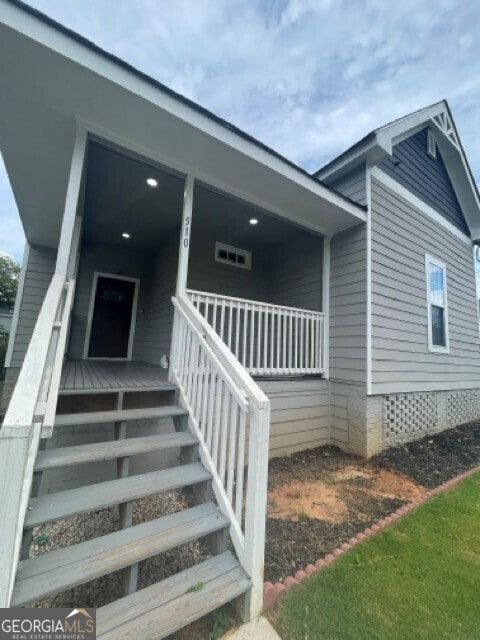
59, 570
104, 494
165, 607
118, 415
99, 451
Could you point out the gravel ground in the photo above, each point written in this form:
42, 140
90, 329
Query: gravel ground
437, 458
106, 589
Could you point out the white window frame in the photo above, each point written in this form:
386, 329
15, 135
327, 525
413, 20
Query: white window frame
438, 263
220, 246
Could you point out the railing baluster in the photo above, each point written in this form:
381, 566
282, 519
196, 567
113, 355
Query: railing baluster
217, 420
312, 348
244, 344
265, 340
232, 449
259, 338
274, 339
205, 395
224, 431
195, 376
221, 333
237, 330
290, 340
199, 394
252, 335
240, 466
230, 320
302, 350
296, 340
211, 405
214, 316
278, 336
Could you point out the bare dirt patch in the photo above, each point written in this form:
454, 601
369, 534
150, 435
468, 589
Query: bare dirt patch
331, 497
320, 498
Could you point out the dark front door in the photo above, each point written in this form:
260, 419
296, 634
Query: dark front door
112, 318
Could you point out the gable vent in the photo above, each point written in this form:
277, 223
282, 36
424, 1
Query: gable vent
431, 145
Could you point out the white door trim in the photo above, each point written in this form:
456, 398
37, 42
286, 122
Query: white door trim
101, 274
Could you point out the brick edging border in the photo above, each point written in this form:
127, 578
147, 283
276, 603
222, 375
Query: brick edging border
272, 592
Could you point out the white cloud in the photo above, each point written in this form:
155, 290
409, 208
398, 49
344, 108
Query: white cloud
307, 77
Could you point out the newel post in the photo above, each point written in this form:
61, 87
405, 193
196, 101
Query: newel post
256, 506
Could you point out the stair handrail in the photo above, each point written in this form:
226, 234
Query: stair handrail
251, 552
22, 426
239, 374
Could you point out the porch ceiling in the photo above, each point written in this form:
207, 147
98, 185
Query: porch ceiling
49, 80
118, 200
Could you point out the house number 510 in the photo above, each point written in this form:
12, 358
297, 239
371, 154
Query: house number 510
186, 233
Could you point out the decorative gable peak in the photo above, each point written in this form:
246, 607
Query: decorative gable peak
445, 124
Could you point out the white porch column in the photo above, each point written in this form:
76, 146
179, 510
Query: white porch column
185, 235
71, 202
326, 305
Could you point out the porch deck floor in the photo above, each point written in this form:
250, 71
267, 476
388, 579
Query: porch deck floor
79, 376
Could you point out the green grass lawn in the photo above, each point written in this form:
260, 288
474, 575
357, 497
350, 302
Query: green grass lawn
417, 580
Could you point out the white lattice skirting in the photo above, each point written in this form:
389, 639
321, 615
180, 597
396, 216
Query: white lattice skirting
408, 416
462, 406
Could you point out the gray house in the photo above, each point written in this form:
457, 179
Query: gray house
191, 303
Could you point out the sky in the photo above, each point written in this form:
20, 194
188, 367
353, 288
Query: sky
307, 77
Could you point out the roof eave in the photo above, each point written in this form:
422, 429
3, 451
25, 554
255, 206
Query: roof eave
39, 27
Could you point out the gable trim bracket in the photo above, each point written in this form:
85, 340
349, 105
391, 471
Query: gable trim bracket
379, 144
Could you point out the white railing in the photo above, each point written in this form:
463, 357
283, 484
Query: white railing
225, 405
29, 417
266, 338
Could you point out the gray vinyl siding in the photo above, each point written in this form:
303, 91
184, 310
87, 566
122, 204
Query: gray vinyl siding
401, 361
426, 177
297, 276
299, 414
353, 185
348, 306
108, 259
38, 275
206, 274
289, 273
158, 321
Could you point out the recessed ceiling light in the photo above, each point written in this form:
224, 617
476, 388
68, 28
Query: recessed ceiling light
125, 235
152, 182
253, 221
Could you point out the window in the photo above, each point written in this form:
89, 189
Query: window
436, 275
233, 256
431, 144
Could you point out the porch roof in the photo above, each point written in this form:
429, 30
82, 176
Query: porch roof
53, 79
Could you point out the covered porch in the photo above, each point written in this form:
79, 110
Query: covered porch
260, 280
